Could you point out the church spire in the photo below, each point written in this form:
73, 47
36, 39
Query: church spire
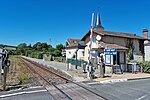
98, 22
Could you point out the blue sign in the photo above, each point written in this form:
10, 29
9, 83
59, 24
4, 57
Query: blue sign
110, 51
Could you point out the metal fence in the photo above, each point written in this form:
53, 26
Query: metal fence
77, 62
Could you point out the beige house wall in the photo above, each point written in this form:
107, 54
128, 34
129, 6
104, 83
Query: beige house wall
115, 40
70, 52
80, 55
86, 52
123, 42
107, 39
136, 47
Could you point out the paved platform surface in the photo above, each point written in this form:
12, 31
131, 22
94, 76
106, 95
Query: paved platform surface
79, 76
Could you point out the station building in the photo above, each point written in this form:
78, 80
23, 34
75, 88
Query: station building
122, 42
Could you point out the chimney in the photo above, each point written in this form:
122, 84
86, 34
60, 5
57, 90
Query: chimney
145, 33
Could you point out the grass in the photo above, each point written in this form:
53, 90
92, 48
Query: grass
17, 73
22, 77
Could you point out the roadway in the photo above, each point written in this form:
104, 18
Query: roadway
35, 93
130, 90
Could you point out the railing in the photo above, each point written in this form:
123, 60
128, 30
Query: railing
77, 62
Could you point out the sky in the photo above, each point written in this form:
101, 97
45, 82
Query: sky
31, 21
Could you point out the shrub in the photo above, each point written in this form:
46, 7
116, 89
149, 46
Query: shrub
133, 61
39, 55
58, 59
145, 65
130, 54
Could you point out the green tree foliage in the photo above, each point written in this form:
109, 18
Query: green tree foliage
59, 47
130, 54
38, 49
46, 46
21, 49
37, 46
29, 46
58, 50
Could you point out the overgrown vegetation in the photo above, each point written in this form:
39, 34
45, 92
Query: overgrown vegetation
17, 74
131, 49
58, 59
145, 65
22, 77
130, 54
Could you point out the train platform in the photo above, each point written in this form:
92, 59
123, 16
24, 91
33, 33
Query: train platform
79, 76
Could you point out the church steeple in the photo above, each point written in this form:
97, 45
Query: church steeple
98, 25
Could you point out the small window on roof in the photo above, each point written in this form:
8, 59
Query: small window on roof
67, 44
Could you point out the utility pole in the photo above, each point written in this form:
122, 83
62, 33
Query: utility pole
50, 49
5, 73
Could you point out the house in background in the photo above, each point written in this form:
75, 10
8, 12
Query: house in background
146, 45
72, 48
122, 42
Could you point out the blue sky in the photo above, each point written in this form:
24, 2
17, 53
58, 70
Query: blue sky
31, 21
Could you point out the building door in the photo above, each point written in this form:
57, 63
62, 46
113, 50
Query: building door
116, 59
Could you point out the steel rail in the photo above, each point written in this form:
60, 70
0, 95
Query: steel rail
41, 77
47, 69
68, 80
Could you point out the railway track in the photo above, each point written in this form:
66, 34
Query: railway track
60, 86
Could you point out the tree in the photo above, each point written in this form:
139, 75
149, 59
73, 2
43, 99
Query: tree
59, 47
21, 49
38, 49
37, 46
46, 46
58, 50
57, 53
29, 46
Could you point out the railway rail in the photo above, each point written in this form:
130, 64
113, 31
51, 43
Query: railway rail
61, 86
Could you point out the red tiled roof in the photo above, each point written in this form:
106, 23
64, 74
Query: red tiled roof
116, 46
73, 42
115, 34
